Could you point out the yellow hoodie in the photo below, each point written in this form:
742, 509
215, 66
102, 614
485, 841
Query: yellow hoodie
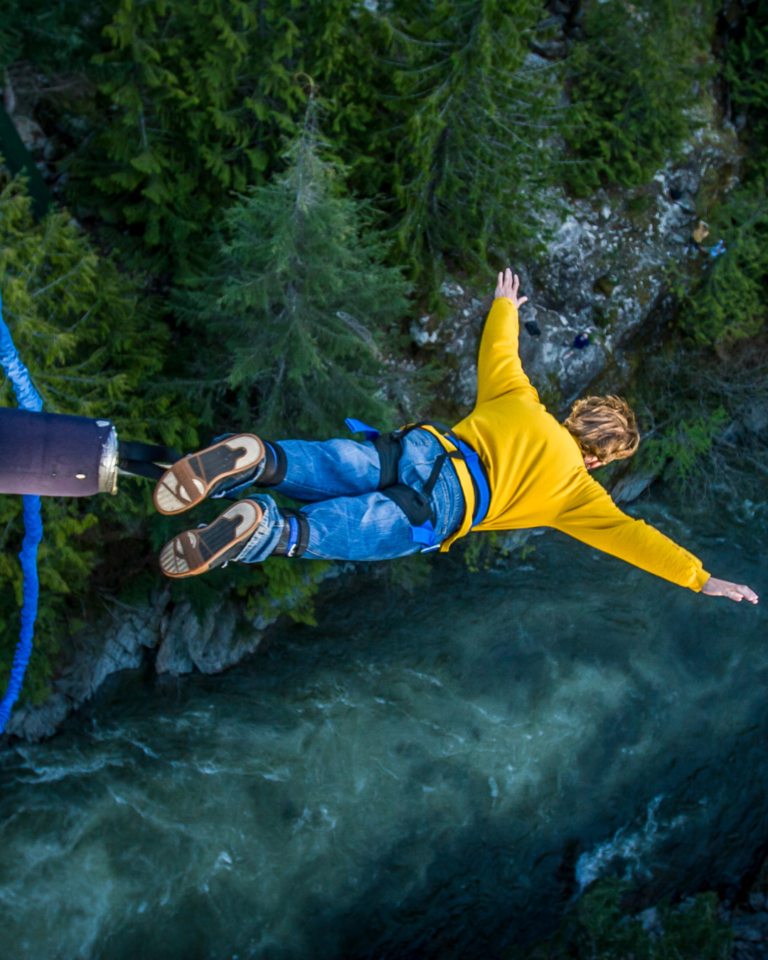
536, 469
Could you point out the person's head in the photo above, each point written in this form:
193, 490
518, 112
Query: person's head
604, 428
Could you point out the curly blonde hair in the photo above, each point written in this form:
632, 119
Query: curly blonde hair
604, 427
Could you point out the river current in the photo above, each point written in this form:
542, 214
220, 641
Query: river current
434, 775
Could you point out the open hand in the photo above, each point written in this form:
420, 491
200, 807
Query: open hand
507, 286
734, 591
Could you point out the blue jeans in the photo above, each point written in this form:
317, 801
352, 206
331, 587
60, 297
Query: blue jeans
349, 519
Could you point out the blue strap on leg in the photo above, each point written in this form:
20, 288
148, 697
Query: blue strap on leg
424, 534
357, 426
28, 399
293, 536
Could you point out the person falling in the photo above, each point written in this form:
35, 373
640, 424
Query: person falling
509, 465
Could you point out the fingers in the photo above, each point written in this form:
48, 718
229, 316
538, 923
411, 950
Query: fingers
747, 593
507, 285
733, 591
739, 592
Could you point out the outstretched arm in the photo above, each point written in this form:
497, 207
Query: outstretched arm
499, 370
594, 518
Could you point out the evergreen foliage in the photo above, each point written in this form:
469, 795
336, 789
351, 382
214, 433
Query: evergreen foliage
747, 74
726, 298
90, 342
304, 300
632, 83
197, 97
476, 117
435, 106
54, 34
703, 418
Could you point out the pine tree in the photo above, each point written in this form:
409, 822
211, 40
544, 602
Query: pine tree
632, 83
197, 99
346, 47
477, 115
305, 299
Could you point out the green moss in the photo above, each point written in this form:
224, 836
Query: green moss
640, 204
597, 928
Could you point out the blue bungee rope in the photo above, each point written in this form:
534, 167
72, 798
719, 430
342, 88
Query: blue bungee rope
28, 399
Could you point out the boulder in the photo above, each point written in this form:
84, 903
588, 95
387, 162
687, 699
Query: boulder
212, 644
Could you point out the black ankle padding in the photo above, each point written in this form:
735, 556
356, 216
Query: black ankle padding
300, 547
274, 469
390, 449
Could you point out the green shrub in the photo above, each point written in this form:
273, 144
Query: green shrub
701, 414
747, 73
53, 34
599, 929
632, 84
725, 298
196, 99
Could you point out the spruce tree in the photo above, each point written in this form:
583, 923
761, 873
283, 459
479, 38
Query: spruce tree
304, 299
632, 83
197, 98
478, 113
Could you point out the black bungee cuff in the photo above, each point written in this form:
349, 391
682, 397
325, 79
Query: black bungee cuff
294, 539
275, 465
56, 454
145, 459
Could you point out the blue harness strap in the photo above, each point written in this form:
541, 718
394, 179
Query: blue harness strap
357, 426
28, 399
477, 472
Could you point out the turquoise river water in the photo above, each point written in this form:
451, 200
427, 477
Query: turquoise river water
435, 775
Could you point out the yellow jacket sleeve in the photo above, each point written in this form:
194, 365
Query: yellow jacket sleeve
499, 370
594, 518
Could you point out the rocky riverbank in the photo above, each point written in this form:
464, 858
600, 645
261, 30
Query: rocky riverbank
599, 282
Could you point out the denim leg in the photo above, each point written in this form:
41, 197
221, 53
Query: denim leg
369, 526
319, 470
332, 468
